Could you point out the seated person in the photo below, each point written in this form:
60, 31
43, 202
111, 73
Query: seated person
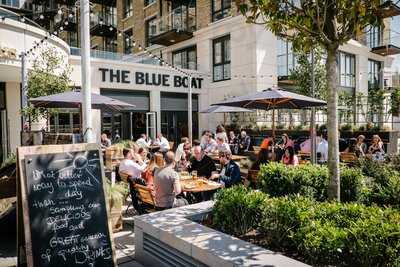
263, 157
183, 162
230, 173
360, 146
204, 138
233, 142
322, 148
375, 150
162, 142
133, 169
209, 144
289, 158
142, 155
105, 141
142, 141
201, 163
167, 185
244, 142
179, 149
221, 145
148, 174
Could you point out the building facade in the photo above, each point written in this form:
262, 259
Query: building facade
207, 38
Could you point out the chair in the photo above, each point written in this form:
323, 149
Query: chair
252, 177
256, 149
348, 158
124, 176
146, 196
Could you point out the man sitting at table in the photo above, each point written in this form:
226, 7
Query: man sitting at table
162, 142
209, 144
230, 173
201, 163
221, 145
142, 141
133, 169
167, 185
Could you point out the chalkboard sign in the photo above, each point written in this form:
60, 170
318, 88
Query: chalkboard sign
65, 212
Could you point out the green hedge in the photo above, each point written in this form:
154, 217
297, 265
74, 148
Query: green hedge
322, 233
370, 183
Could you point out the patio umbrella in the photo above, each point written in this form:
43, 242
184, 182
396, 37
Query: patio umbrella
225, 109
74, 100
272, 98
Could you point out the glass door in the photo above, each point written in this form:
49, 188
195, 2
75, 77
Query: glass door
151, 125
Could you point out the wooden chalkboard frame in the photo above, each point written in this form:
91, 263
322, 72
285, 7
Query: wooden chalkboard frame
23, 207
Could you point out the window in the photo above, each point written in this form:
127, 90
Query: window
151, 30
110, 44
13, 3
72, 39
149, 2
128, 41
220, 9
185, 58
286, 58
128, 8
374, 74
222, 59
373, 36
347, 70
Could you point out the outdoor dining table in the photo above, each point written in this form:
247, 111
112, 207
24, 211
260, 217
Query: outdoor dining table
199, 185
154, 148
233, 157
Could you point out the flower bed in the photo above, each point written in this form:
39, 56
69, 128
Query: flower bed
321, 233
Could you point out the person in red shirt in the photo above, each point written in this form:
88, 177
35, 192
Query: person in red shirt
289, 158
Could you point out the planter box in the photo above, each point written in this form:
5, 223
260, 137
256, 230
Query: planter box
174, 238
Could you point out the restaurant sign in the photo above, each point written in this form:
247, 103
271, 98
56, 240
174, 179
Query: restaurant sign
146, 78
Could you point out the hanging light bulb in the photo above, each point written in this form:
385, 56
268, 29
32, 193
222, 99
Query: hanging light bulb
101, 22
134, 43
111, 29
59, 12
61, 28
41, 16
70, 15
22, 19
119, 34
66, 22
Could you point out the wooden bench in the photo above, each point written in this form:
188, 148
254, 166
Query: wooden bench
348, 158
146, 196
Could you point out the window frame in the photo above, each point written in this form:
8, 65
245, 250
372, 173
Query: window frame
127, 8
225, 10
371, 74
223, 62
130, 41
147, 30
147, 3
352, 59
185, 50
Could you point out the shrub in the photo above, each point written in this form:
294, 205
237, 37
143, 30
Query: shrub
311, 181
238, 210
322, 233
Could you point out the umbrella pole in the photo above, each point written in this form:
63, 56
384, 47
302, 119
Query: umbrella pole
273, 124
224, 119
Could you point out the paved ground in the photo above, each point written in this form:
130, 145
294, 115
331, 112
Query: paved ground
123, 240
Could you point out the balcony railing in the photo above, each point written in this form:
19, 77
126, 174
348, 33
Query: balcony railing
386, 42
103, 25
175, 27
389, 8
75, 51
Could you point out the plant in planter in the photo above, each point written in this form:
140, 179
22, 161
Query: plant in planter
395, 102
115, 195
346, 127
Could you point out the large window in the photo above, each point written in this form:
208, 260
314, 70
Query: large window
220, 9
149, 2
286, 58
347, 70
222, 59
373, 36
374, 74
128, 41
185, 58
151, 29
128, 8
110, 44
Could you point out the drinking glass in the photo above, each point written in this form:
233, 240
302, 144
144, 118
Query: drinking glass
194, 175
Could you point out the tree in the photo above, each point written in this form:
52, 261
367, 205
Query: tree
327, 23
50, 74
301, 74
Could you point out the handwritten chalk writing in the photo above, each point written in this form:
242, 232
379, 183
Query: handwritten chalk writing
70, 174
79, 183
69, 208
76, 227
37, 174
94, 205
64, 241
46, 256
43, 204
90, 256
77, 194
92, 237
44, 186
69, 216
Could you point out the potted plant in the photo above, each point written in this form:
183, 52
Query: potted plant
115, 195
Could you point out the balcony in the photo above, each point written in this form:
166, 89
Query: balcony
104, 26
44, 12
68, 21
173, 28
384, 43
388, 9
112, 3
66, 2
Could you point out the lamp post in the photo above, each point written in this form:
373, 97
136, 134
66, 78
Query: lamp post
85, 72
190, 112
312, 124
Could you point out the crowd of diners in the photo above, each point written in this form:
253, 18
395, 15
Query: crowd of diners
159, 170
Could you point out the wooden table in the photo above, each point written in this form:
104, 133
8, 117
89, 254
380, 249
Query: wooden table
199, 185
234, 157
154, 148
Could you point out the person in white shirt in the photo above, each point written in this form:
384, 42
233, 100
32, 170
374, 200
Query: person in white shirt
179, 150
162, 142
322, 148
142, 141
221, 146
209, 144
130, 166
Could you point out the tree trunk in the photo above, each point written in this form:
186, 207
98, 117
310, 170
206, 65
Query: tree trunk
332, 125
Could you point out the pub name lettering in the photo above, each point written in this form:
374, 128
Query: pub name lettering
145, 78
